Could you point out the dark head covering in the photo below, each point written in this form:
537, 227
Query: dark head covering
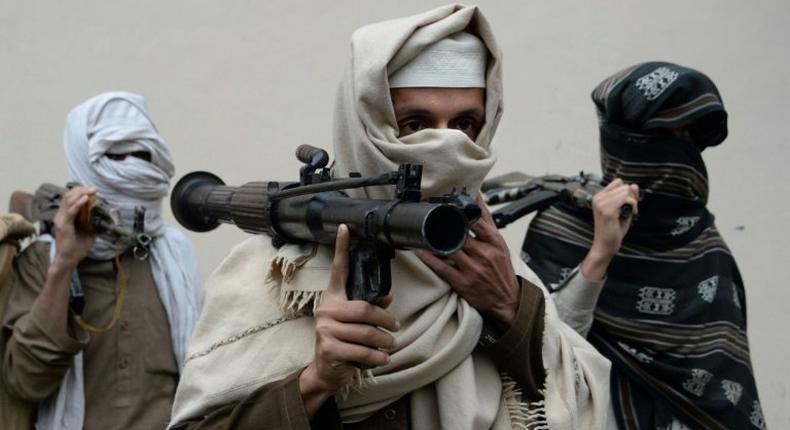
655, 96
672, 314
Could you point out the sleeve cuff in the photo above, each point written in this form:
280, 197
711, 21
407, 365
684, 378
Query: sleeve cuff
519, 351
580, 293
292, 401
327, 417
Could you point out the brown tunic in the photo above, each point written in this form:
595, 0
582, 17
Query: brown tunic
278, 405
130, 371
15, 414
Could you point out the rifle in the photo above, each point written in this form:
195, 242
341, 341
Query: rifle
527, 194
312, 209
95, 217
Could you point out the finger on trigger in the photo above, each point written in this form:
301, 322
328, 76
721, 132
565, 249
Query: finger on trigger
340, 262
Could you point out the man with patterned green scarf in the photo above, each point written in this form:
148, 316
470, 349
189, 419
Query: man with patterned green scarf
664, 302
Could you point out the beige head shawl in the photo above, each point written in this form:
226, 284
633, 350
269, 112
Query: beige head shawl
366, 132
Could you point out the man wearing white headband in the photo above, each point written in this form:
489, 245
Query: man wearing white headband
467, 343
123, 373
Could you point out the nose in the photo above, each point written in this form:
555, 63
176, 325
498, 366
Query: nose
443, 124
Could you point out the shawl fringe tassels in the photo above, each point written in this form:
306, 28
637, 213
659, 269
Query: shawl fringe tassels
523, 415
300, 302
282, 270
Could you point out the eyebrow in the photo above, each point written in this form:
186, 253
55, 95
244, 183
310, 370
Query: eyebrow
411, 110
418, 111
473, 112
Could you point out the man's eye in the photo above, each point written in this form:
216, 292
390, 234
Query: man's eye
410, 127
143, 155
466, 125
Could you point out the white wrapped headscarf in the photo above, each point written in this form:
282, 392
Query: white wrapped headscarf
118, 123
452, 385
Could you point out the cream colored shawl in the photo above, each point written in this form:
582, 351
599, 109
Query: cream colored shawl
255, 326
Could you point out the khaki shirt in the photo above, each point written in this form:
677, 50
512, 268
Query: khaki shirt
130, 371
15, 414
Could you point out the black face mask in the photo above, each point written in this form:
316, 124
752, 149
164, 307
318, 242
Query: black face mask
710, 130
672, 179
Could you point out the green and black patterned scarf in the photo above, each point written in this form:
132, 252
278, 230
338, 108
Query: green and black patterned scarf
672, 315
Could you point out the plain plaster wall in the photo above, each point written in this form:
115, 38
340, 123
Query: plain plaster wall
235, 86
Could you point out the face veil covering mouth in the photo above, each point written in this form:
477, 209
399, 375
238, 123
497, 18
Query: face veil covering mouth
641, 111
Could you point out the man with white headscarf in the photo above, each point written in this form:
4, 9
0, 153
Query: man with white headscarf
467, 343
123, 374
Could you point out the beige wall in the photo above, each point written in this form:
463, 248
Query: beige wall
235, 86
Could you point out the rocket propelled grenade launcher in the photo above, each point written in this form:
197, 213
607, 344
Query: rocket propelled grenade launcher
312, 209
